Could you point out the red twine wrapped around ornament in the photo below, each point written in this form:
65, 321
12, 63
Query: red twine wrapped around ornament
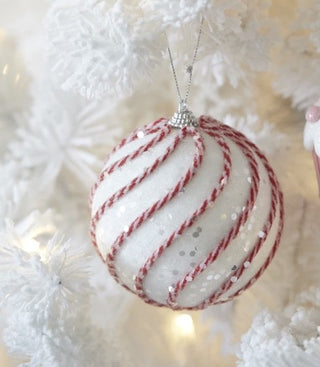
217, 131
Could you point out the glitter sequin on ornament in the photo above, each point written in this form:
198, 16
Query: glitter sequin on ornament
195, 230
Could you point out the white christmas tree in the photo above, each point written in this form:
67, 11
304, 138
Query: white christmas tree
75, 78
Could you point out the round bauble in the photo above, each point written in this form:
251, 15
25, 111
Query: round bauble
186, 217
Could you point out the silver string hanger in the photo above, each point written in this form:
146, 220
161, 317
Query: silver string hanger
184, 117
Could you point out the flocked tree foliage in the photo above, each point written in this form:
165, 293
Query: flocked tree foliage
301, 43
75, 77
282, 338
102, 48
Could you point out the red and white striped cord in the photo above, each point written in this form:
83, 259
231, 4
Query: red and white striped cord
217, 131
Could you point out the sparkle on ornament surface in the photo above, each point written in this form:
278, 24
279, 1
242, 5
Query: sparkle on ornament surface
210, 277
249, 179
246, 264
126, 228
140, 134
234, 279
122, 209
217, 276
261, 234
234, 216
183, 325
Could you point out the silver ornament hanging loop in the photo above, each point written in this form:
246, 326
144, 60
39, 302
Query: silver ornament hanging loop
184, 116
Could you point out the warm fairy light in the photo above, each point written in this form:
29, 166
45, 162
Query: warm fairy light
17, 78
30, 245
183, 325
46, 229
3, 34
32, 242
5, 69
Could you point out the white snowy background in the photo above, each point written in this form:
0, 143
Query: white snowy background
75, 77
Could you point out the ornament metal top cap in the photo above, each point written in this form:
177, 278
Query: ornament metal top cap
183, 117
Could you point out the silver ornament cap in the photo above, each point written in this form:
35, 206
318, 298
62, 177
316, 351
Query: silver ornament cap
183, 117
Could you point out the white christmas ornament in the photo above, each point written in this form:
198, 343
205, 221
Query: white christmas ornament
186, 217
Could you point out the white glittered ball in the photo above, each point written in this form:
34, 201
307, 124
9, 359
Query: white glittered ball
186, 217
